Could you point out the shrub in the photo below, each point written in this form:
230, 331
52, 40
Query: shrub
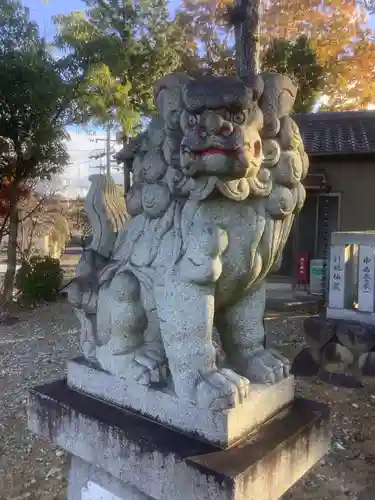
39, 280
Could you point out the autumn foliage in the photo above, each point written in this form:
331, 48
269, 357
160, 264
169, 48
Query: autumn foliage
343, 40
6, 190
337, 30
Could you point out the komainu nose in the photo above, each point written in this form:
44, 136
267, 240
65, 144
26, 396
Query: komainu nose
215, 125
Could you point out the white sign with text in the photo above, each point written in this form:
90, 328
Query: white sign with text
338, 258
366, 278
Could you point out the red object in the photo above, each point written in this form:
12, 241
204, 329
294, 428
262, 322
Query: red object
302, 275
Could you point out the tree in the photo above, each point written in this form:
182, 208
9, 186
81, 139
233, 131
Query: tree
337, 31
298, 60
369, 5
7, 155
122, 47
208, 46
40, 216
342, 39
34, 99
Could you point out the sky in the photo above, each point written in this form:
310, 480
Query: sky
81, 144
42, 11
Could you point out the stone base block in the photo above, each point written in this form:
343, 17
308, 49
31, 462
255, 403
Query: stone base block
223, 428
130, 457
89, 482
338, 346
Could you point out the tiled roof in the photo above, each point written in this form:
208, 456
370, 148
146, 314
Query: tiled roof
335, 133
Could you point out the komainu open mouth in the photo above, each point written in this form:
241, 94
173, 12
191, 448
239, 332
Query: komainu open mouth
217, 151
234, 152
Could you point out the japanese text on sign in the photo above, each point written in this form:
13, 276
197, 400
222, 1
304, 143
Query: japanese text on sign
337, 273
366, 274
302, 267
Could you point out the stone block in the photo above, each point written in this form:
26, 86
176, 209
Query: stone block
222, 427
351, 315
336, 356
89, 482
353, 238
132, 457
359, 337
369, 366
319, 330
306, 363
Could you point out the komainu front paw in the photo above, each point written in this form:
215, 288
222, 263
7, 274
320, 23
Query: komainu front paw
267, 366
221, 389
154, 364
145, 365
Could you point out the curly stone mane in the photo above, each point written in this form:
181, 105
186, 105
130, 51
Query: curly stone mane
159, 181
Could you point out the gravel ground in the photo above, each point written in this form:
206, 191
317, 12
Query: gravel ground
35, 350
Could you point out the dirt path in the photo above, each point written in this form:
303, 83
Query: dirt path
35, 351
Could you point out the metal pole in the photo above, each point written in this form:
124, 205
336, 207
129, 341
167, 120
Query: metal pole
127, 167
108, 149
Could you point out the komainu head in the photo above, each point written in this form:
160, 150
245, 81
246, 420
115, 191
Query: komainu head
221, 123
219, 135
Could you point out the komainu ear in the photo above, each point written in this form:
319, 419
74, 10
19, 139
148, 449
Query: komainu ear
256, 83
165, 83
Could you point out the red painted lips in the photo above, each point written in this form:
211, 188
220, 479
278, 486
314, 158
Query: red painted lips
216, 151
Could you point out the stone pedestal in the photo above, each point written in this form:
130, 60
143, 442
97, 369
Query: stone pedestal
120, 454
223, 428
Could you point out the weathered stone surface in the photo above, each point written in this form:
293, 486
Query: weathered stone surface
186, 260
305, 364
358, 337
319, 330
362, 360
336, 357
166, 465
346, 345
222, 427
89, 482
369, 367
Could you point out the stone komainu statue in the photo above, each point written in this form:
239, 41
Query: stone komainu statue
216, 184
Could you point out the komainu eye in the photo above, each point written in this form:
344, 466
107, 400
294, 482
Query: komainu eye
238, 117
192, 120
227, 115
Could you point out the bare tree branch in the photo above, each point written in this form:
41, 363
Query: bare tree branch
38, 205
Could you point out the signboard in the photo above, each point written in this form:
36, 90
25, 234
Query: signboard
302, 268
317, 276
366, 278
95, 492
338, 259
315, 181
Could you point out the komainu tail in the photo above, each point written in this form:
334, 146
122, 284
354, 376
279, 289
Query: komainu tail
106, 210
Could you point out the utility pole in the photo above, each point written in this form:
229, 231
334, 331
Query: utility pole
108, 149
127, 166
108, 152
